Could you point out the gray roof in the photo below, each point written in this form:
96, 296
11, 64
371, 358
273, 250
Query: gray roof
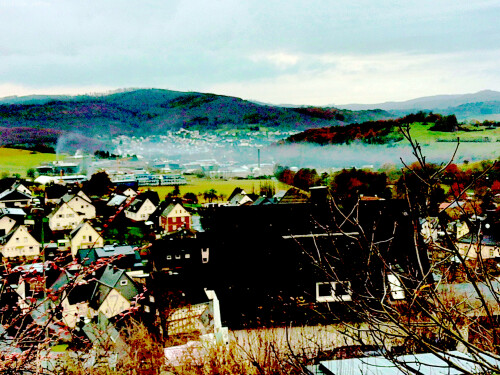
117, 200
112, 250
77, 229
425, 363
12, 212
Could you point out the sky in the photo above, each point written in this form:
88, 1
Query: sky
315, 52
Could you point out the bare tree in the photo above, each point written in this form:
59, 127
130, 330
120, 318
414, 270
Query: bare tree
409, 300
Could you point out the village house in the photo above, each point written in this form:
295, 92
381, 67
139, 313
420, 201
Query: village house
472, 247
14, 198
175, 217
9, 217
54, 193
81, 204
140, 209
84, 236
63, 217
19, 242
114, 292
123, 256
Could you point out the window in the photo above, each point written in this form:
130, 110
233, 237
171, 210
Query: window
204, 255
333, 291
188, 256
177, 257
395, 287
123, 282
90, 238
169, 257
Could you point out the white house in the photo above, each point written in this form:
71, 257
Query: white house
81, 205
84, 236
140, 210
6, 225
64, 217
19, 242
14, 198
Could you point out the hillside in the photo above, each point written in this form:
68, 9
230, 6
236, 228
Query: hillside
154, 111
480, 105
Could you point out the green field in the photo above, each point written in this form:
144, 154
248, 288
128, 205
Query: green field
422, 133
14, 161
222, 187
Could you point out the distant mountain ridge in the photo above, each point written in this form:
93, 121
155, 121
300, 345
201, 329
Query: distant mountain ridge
155, 111
429, 102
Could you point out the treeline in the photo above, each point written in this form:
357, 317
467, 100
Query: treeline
372, 132
351, 184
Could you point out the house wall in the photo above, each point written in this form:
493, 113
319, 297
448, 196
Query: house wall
65, 218
72, 313
83, 207
14, 203
21, 243
178, 218
114, 304
86, 238
7, 223
143, 213
470, 251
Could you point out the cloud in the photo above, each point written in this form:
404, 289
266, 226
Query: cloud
341, 79
251, 49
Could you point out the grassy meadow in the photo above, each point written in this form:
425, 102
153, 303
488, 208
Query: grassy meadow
14, 161
222, 187
422, 133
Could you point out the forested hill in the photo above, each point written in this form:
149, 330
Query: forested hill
388, 131
154, 111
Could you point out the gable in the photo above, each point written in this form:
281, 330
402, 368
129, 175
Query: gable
14, 195
64, 209
21, 237
6, 224
83, 196
175, 211
114, 304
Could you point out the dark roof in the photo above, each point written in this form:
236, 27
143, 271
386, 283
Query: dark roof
169, 209
486, 240
237, 190
14, 195
108, 281
151, 195
135, 205
294, 195
263, 201
86, 256
8, 236
55, 191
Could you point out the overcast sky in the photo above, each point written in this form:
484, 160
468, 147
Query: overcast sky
295, 52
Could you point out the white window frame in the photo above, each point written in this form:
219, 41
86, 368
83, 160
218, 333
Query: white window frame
333, 297
395, 287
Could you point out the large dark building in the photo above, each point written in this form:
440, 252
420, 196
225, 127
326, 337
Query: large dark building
273, 264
